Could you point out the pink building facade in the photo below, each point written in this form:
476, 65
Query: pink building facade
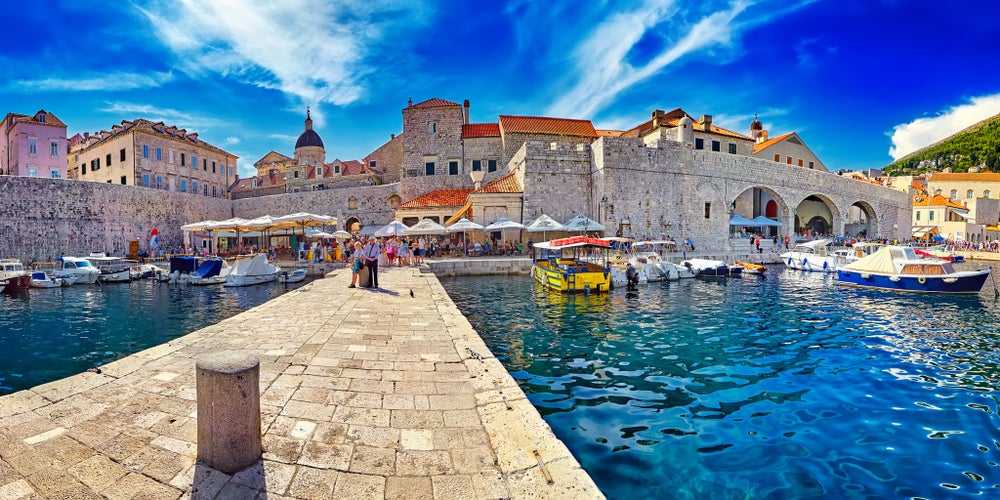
33, 146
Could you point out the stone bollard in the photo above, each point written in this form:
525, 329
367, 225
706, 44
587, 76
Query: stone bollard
228, 393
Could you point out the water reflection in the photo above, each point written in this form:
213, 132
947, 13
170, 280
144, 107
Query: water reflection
787, 386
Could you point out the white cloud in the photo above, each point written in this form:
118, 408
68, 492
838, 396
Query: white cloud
189, 121
317, 52
231, 140
922, 132
104, 81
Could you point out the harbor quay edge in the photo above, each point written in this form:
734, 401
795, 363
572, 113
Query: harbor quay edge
377, 394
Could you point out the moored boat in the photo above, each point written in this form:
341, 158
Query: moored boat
113, 269
40, 279
76, 270
211, 272
711, 268
12, 271
252, 270
295, 276
750, 267
901, 269
811, 256
575, 264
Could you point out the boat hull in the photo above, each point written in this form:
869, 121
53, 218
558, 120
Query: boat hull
18, 282
809, 262
571, 279
296, 276
123, 276
966, 283
250, 279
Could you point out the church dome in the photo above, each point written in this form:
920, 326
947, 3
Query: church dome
756, 124
309, 137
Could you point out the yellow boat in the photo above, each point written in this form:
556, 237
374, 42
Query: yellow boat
561, 265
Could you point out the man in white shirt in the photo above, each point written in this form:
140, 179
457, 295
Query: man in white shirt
371, 252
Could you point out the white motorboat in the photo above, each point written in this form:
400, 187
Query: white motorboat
12, 271
811, 256
252, 270
295, 276
113, 269
76, 270
648, 256
39, 279
706, 267
211, 272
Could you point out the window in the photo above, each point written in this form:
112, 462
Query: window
954, 194
986, 194
429, 168
811, 165
159, 181
213, 167
159, 154
433, 128
145, 150
777, 157
732, 148
123, 180
194, 161
716, 146
788, 160
800, 162
54, 174
477, 165
453, 167
83, 168
708, 209
171, 156
336, 168
371, 164
194, 187
32, 171
182, 159
107, 160
918, 215
968, 194
204, 164
699, 143
930, 215
205, 190
32, 146
184, 185
491, 165
95, 165
121, 155
554, 146
53, 148
145, 180
295, 174
214, 193
352, 203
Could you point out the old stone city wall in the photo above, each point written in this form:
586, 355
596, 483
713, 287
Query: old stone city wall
44, 218
370, 204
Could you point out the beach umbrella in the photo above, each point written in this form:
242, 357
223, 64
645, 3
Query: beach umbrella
303, 220
581, 223
320, 235
368, 230
543, 224
764, 221
462, 226
426, 226
340, 233
503, 223
739, 220
394, 228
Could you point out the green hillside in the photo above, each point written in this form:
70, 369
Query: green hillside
978, 145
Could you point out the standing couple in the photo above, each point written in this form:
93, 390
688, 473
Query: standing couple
367, 255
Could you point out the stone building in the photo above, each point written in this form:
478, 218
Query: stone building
152, 155
33, 146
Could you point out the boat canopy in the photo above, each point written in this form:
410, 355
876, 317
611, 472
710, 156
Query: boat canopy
183, 264
572, 242
209, 268
251, 266
882, 261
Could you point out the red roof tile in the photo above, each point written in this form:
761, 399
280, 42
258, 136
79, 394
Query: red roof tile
481, 130
543, 125
610, 133
757, 148
721, 131
262, 182
353, 167
966, 177
439, 198
505, 184
936, 201
434, 103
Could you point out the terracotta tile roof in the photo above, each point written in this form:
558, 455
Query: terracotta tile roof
266, 181
439, 198
757, 148
434, 103
718, 130
481, 130
610, 133
543, 125
916, 185
936, 201
353, 167
967, 177
50, 119
505, 184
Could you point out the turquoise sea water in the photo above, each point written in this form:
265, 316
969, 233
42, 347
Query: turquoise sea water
784, 387
49, 334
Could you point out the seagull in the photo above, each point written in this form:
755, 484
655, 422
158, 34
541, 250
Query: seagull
411, 293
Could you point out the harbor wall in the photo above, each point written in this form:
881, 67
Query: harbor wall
42, 218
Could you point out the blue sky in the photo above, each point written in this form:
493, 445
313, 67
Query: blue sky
859, 80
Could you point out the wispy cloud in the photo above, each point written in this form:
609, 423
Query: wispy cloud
102, 82
190, 121
909, 137
317, 52
231, 141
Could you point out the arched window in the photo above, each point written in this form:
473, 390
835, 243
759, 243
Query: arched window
986, 194
937, 192
394, 200
968, 194
771, 209
352, 203
954, 194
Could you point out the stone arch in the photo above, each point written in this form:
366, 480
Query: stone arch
352, 225
758, 200
394, 200
816, 213
861, 220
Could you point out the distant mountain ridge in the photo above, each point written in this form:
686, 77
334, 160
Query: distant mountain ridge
974, 146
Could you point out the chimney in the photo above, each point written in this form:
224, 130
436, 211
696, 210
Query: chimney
409, 102
86, 135
657, 118
392, 136
763, 136
466, 106
706, 121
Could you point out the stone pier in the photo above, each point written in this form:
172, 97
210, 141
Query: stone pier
364, 394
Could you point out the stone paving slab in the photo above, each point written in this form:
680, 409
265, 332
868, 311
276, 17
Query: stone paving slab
364, 394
